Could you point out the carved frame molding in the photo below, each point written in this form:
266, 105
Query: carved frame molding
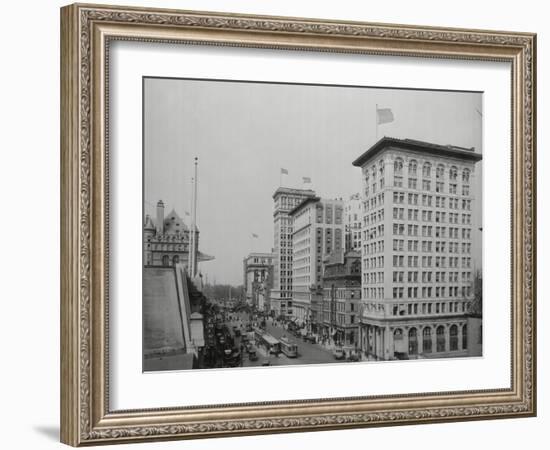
86, 31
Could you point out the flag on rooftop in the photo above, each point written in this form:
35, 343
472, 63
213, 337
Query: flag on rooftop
284, 171
306, 180
254, 235
384, 115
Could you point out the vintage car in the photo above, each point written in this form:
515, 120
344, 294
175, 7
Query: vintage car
338, 353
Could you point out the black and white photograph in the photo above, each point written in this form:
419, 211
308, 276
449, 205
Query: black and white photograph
294, 224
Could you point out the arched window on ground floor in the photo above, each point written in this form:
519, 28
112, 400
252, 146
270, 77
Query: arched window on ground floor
427, 340
440, 338
413, 341
453, 333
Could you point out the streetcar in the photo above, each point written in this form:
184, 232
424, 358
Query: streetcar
271, 344
288, 348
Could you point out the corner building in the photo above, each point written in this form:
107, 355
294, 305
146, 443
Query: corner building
285, 199
318, 231
417, 253
258, 275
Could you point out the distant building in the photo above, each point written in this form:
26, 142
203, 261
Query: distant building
341, 299
167, 240
258, 279
317, 231
284, 200
417, 263
353, 216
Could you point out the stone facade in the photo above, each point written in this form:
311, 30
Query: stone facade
419, 231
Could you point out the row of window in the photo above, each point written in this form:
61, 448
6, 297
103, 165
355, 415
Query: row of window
440, 261
374, 202
413, 168
428, 199
427, 216
374, 217
412, 230
428, 276
427, 291
427, 247
373, 232
427, 170
440, 339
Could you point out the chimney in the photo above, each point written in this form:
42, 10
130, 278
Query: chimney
160, 217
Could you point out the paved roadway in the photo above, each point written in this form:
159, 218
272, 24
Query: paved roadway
308, 353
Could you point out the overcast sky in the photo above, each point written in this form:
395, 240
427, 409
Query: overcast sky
244, 133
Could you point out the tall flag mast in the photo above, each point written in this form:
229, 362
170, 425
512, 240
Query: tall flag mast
193, 244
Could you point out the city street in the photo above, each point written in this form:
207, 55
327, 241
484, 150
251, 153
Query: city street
308, 353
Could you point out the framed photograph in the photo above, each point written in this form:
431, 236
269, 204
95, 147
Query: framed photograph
274, 224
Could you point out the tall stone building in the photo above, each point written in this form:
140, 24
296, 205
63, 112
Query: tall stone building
167, 240
258, 279
284, 200
318, 230
341, 299
417, 254
352, 217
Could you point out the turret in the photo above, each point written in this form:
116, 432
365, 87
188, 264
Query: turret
149, 228
160, 217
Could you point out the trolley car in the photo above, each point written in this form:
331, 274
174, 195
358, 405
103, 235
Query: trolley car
288, 348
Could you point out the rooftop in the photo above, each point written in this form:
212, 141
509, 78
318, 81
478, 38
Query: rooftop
287, 190
261, 255
452, 151
303, 203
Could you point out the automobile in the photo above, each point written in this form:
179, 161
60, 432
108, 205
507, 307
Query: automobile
338, 353
353, 357
252, 356
401, 355
310, 338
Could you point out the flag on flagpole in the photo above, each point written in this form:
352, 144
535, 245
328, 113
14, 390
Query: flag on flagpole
254, 235
284, 171
384, 115
307, 180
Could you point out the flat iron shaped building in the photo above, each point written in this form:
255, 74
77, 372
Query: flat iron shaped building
417, 246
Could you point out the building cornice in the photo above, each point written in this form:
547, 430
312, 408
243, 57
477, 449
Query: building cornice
305, 202
387, 143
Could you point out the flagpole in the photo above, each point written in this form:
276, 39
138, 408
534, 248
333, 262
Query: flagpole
189, 252
193, 226
376, 121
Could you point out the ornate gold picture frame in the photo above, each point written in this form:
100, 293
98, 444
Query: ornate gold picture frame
87, 31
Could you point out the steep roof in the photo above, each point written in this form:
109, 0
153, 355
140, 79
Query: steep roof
173, 224
149, 223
